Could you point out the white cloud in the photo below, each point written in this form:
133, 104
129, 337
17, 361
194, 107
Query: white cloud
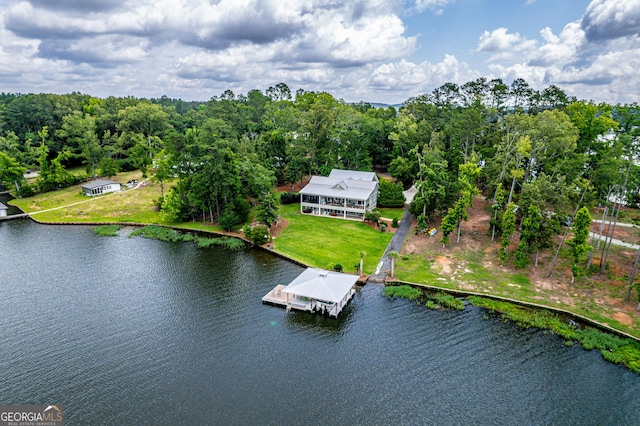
611, 19
437, 6
354, 49
505, 46
412, 79
562, 49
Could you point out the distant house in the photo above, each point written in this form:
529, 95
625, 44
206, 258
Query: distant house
98, 187
344, 193
3, 210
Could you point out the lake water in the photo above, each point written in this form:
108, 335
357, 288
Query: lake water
134, 331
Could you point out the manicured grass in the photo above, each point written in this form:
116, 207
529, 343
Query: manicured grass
323, 242
391, 213
417, 269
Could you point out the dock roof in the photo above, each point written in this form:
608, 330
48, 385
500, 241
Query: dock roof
318, 284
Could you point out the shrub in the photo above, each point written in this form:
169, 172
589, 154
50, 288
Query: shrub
337, 267
242, 208
448, 301
258, 234
403, 291
394, 222
373, 216
226, 242
383, 227
228, 218
391, 194
173, 207
107, 230
27, 190
158, 233
289, 197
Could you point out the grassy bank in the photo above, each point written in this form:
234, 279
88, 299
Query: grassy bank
477, 270
70, 205
323, 242
615, 349
618, 350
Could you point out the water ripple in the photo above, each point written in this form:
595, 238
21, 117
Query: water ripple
145, 332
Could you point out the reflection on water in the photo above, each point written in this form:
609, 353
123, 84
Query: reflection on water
128, 330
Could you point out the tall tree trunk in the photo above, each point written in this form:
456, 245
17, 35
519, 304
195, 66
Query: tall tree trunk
555, 258
15, 182
620, 194
627, 295
613, 210
596, 238
513, 185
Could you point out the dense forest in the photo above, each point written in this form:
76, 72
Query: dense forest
537, 156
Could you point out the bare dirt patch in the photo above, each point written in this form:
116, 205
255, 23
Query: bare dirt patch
623, 318
277, 228
444, 264
606, 291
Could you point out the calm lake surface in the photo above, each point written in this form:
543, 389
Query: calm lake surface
134, 331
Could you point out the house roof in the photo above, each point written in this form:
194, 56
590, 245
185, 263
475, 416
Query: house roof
3, 207
351, 174
98, 183
321, 285
341, 188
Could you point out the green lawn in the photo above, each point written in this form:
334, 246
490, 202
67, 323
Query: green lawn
323, 242
391, 213
127, 206
422, 268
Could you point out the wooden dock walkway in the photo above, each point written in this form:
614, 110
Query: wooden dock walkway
14, 216
276, 296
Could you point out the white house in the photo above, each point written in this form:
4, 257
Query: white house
98, 187
346, 194
3, 210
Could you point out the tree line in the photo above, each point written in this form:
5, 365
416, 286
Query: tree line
536, 155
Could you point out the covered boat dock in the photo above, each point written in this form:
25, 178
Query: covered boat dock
315, 290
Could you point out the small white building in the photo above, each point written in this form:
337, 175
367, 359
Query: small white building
344, 193
315, 290
99, 187
3, 210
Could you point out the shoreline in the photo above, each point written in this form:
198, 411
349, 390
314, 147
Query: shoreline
586, 321
463, 293
565, 310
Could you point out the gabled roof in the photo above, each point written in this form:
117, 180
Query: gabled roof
342, 188
319, 284
340, 185
98, 183
351, 174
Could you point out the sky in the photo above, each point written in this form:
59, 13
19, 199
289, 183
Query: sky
357, 50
